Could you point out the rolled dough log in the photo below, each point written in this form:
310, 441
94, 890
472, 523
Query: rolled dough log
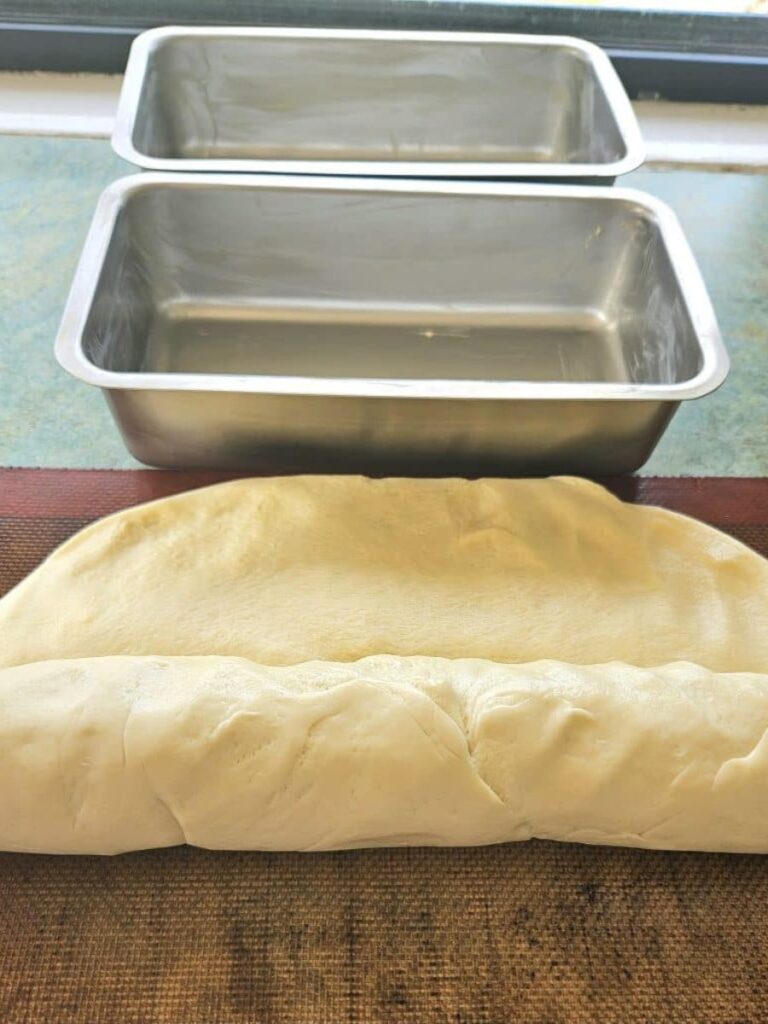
288, 570
104, 755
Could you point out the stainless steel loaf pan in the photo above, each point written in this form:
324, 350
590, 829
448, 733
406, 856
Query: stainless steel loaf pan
408, 104
340, 324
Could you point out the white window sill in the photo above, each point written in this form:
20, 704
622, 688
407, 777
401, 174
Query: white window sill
676, 134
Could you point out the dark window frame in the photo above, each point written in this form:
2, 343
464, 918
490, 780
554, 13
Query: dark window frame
675, 56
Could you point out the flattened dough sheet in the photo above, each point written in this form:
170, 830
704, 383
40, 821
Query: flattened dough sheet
283, 571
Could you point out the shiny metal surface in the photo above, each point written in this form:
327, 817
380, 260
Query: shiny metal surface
407, 104
393, 326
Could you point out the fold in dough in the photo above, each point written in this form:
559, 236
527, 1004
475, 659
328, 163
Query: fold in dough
111, 754
283, 571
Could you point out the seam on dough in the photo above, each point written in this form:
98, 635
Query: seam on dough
164, 804
75, 786
464, 733
126, 720
468, 731
659, 824
383, 839
473, 760
718, 781
297, 760
78, 816
232, 716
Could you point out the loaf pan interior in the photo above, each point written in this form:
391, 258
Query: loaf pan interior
215, 279
316, 97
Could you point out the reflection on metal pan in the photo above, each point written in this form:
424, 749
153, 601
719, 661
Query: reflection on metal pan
408, 104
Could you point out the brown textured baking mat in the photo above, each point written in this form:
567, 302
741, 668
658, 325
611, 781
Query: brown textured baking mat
532, 933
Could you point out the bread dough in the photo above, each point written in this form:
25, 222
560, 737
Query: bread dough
110, 754
283, 571
136, 742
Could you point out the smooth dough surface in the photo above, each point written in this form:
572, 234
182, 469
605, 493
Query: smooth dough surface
104, 755
288, 570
